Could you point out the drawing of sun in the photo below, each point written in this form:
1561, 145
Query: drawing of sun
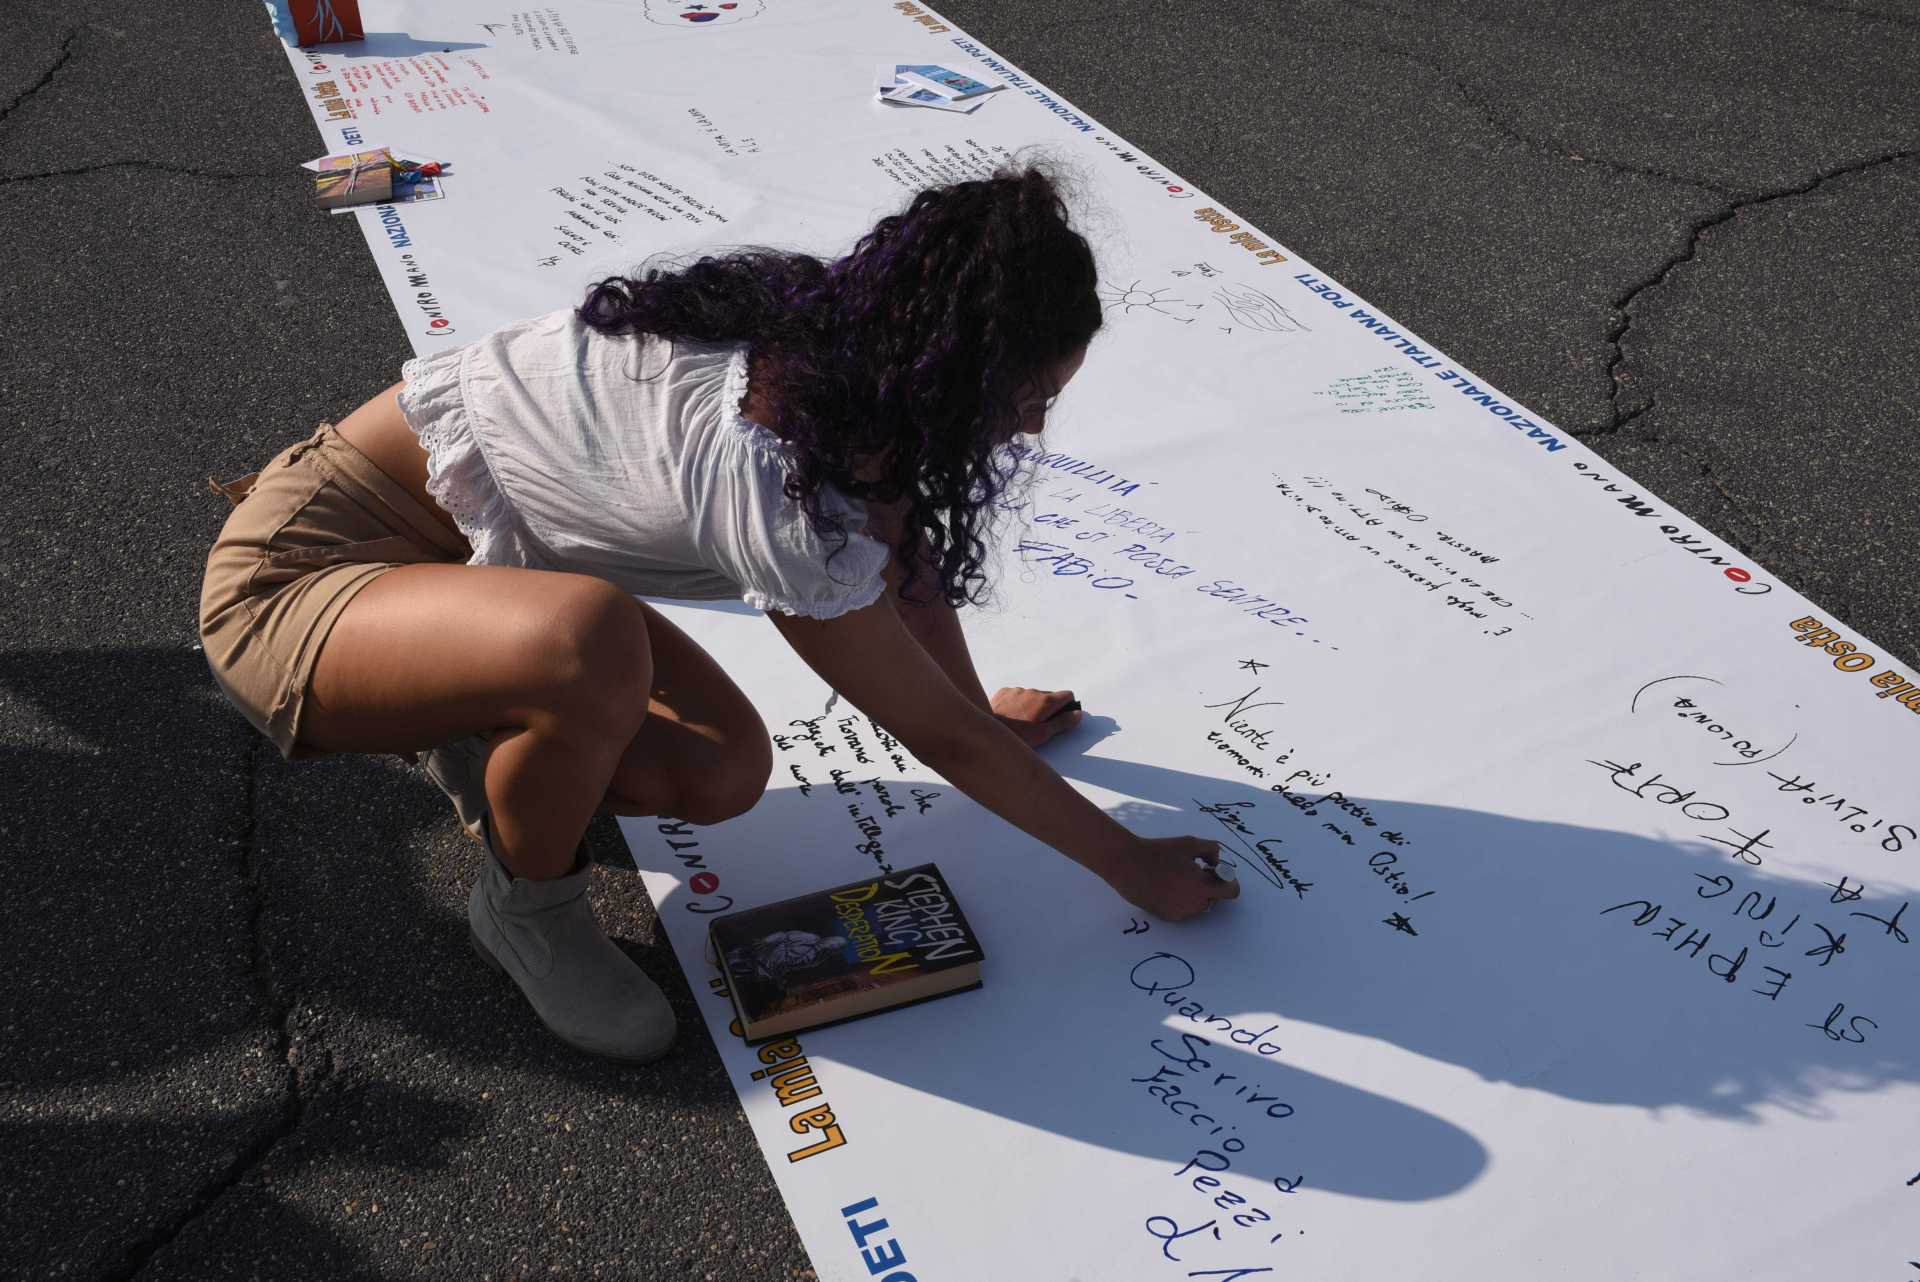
1132, 298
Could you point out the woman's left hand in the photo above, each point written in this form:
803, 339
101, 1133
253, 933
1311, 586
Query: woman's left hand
1031, 714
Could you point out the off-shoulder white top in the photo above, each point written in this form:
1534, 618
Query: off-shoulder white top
556, 447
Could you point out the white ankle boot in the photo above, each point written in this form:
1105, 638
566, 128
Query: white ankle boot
460, 770
587, 992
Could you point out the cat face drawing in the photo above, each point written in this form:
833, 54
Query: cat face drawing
705, 13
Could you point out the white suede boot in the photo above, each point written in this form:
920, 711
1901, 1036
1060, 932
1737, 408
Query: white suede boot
460, 769
543, 935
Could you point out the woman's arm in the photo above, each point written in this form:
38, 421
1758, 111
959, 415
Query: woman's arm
933, 623
936, 626
869, 656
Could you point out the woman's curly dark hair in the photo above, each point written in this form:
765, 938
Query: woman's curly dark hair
910, 351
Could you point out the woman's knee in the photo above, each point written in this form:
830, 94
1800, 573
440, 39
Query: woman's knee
593, 656
728, 788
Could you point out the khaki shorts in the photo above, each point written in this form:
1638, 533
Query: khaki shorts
306, 533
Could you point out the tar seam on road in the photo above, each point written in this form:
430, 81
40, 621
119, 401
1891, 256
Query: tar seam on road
66, 53
278, 1008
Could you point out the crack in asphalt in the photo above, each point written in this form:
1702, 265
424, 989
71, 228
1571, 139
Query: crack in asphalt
301, 1086
1745, 543
1622, 306
66, 53
68, 46
1783, 561
1617, 420
103, 165
1487, 115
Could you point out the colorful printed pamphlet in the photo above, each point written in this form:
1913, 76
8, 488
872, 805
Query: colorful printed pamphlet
957, 85
910, 95
925, 84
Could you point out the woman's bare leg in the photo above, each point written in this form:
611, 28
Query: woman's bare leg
702, 754
558, 667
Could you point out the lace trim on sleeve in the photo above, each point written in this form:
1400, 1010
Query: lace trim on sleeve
857, 596
458, 476
853, 580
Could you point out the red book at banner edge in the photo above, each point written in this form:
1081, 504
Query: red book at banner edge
319, 22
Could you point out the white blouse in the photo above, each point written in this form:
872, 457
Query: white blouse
556, 447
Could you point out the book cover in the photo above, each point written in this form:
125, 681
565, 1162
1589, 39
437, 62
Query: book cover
354, 178
849, 951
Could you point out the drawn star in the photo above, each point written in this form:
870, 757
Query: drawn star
1253, 665
1399, 923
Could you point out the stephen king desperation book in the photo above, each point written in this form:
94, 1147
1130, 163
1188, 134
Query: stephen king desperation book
838, 954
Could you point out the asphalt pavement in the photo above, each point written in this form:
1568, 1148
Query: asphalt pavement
241, 1035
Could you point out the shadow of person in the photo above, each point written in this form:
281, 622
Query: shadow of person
351, 877
1570, 962
226, 1193
189, 891
1051, 1050
192, 919
1592, 964
127, 935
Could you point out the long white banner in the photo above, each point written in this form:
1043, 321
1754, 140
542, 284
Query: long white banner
1576, 852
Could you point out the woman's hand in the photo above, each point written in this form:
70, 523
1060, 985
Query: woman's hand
1159, 875
870, 658
1035, 715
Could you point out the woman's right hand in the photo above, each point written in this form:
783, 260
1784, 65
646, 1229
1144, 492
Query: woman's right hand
869, 657
1160, 875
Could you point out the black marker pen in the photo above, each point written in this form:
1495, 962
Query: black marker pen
1072, 705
